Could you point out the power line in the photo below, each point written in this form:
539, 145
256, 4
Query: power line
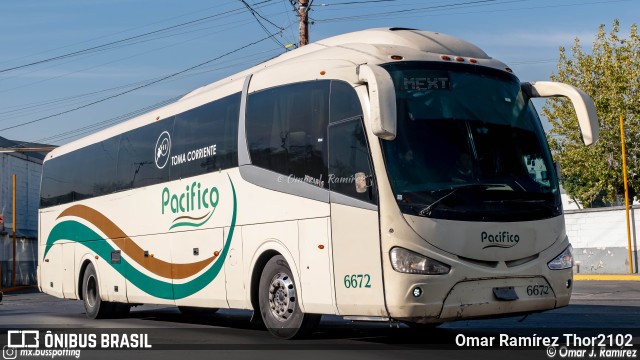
19, 110
136, 88
255, 15
292, 39
412, 10
255, 12
385, 14
106, 123
58, 103
75, 133
356, 2
235, 25
121, 41
115, 33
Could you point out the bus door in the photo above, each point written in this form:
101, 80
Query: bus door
355, 229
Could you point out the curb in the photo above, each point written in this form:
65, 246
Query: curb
607, 277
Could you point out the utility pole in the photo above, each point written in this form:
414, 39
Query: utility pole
303, 13
13, 229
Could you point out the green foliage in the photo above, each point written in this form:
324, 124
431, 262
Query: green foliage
610, 74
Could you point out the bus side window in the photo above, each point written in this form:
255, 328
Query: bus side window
348, 155
212, 126
344, 102
136, 162
286, 130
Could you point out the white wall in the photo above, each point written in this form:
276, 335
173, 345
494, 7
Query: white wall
599, 239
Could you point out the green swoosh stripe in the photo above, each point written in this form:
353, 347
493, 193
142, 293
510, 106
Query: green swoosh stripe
75, 231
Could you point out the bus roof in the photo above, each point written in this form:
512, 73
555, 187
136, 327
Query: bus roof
340, 53
373, 46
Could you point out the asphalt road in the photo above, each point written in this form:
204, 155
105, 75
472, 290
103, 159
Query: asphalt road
610, 308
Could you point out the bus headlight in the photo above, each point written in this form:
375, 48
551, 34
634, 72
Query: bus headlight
406, 261
562, 261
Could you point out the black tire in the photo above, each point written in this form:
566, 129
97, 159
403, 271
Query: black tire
93, 304
278, 299
193, 311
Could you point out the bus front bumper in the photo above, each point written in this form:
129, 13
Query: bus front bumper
478, 298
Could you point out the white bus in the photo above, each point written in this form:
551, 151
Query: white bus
384, 174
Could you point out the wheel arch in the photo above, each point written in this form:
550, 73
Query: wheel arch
86, 260
256, 272
262, 255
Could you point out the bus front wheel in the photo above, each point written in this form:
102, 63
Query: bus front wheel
279, 302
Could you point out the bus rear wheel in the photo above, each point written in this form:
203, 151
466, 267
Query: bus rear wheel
279, 302
93, 304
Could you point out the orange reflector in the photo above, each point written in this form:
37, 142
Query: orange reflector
320, 247
96, 257
473, 61
46, 260
445, 57
459, 58
216, 253
396, 57
322, 72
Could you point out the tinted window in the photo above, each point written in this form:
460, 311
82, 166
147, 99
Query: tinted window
95, 167
205, 139
57, 181
344, 101
348, 155
137, 159
81, 174
286, 130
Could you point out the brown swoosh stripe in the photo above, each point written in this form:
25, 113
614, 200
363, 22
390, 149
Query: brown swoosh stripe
191, 217
135, 252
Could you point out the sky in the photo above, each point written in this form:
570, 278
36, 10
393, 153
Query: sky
71, 67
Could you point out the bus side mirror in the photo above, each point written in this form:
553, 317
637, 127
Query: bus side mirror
582, 103
382, 100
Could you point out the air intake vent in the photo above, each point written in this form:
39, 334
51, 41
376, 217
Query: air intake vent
512, 263
491, 264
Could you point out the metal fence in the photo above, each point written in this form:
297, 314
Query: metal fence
25, 262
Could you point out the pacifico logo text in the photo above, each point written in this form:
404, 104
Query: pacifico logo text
502, 239
197, 199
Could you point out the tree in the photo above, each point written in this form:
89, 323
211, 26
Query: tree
610, 74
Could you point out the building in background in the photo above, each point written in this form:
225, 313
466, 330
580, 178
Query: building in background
28, 169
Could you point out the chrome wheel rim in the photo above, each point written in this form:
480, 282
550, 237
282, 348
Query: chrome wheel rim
282, 297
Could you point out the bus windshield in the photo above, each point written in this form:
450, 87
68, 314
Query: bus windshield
469, 146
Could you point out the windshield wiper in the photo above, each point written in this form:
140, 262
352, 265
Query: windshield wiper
427, 210
542, 203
